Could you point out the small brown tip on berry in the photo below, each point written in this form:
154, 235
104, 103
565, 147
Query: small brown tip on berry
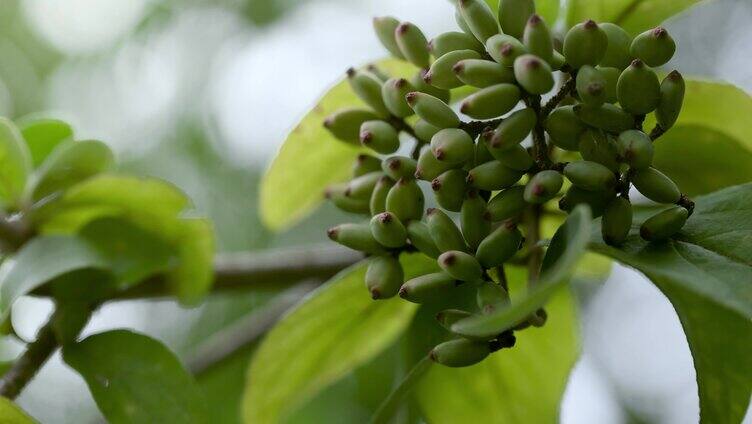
400, 83
449, 259
470, 179
590, 24
385, 217
660, 32
637, 63
347, 192
458, 68
411, 98
351, 72
366, 137
675, 76
328, 193
432, 355
465, 106
532, 63
332, 233
506, 50
538, 189
403, 292
645, 233
394, 164
430, 46
418, 173
403, 28
375, 294
430, 211
534, 19
402, 181
436, 184
438, 153
595, 88
328, 122
427, 77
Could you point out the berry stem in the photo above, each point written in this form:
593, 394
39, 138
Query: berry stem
565, 90
476, 128
656, 132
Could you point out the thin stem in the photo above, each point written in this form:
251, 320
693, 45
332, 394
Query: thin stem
565, 90
540, 149
476, 128
656, 132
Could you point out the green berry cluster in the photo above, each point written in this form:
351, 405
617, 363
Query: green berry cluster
481, 170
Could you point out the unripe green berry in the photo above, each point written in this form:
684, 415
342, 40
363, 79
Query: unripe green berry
377, 72
599, 147
379, 136
617, 52
384, 277
590, 175
479, 18
460, 353
442, 74
635, 149
543, 187
591, 86
482, 155
429, 167
364, 164
638, 89
449, 189
607, 117
490, 297
504, 49
514, 15
596, 200
557, 61
515, 157
564, 128
385, 28
507, 204
491, 102
368, 88
585, 44
461, 21
656, 186
672, 98
452, 41
425, 131
420, 238
397, 167
356, 237
500, 246
453, 146
433, 110
537, 38
460, 265
345, 123
533, 74
427, 287
665, 224
611, 75
513, 129
655, 47
444, 232
377, 203
362, 187
337, 196
474, 219
492, 176
388, 230
413, 44
617, 221
405, 200
422, 86
394, 91
448, 317
483, 73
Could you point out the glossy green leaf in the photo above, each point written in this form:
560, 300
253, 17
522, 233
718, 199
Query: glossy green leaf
635, 16
564, 252
334, 330
10, 413
706, 273
136, 379
43, 135
70, 163
311, 158
392, 403
15, 163
547, 9
524, 384
41, 260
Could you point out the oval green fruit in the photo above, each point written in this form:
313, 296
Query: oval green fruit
379, 136
585, 44
564, 128
433, 110
397, 167
514, 15
638, 89
384, 277
590, 175
606, 117
364, 164
537, 38
479, 18
474, 219
427, 287
635, 149
596, 146
444, 232
533, 74
611, 75
483, 73
507, 204
405, 200
543, 187
336, 194
515, 157
655, 47
385, 28
656, 186
442, 73
491, 102
429, 167
500, 246
504, 49
345, 123
492, 176
413, 44
460, 265
557, 61
490, 297
362, 187
425, 131
377, 203
452, 41
449, 189
452, 145
420, 238
672, 98
591, 86
356, 237
368, 88
617, 221
420, 85
664, 225
460, 353
388, 230
393, 92
513, 129
617, 51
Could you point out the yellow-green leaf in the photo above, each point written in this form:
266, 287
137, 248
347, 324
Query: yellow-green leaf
10, 413
634, 16
15, 163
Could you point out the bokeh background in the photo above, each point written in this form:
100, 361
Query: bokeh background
202, 92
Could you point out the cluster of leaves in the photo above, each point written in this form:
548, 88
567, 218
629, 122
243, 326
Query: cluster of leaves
712, 247
79, 232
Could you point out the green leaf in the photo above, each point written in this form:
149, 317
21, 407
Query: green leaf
387, 409
706, 273
192, 279
330, 333
15, 163
41, 260
547, 9
311, 158
10, 413
70, 163
564, 252
43, 135
134, 378
524, 384
634, 16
